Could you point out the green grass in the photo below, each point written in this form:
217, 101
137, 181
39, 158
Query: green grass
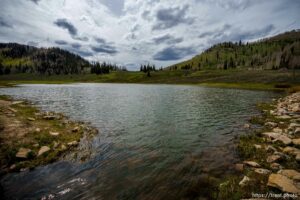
254, 79
9, 148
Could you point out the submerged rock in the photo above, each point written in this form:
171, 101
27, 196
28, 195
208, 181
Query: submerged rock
282, 183
23, 153
284, 139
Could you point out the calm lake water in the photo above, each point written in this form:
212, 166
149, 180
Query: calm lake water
154, 141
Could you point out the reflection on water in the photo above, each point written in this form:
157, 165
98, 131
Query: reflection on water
154, 142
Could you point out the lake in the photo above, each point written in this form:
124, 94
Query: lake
154, 141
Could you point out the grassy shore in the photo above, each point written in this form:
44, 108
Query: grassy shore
248, 79
30, 138
274, 158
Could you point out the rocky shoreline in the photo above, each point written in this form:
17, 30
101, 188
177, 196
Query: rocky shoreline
30, 138
271, 155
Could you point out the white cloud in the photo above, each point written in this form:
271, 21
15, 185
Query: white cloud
137, 31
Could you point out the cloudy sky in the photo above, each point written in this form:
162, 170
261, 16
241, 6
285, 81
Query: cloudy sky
132, 32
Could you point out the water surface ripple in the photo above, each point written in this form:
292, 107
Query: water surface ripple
154, 141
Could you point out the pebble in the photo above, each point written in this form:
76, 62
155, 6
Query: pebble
54, 133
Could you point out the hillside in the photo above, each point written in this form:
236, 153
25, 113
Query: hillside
280, 51
17, 58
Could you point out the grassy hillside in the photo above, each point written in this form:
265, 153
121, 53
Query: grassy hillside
253, 79
281, 51
17, 58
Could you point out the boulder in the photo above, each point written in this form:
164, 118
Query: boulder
251, 163
23, 153
43, 150
271, 135
54, 133
273, 158
244, 181
290, 173
284, 139
296, 141
282, 183
262, 171
294, 125
291, 150
270, 148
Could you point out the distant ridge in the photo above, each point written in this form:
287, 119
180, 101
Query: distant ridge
280, 51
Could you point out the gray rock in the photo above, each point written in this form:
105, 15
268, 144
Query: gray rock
73, 143
262, 171
275, 166
76, 129
23, 153
284, 139
49, 117
43, 150
17, 102
54, 133
257, 146
251, 163
271, 124
273, 158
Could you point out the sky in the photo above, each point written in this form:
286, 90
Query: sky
134, 32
